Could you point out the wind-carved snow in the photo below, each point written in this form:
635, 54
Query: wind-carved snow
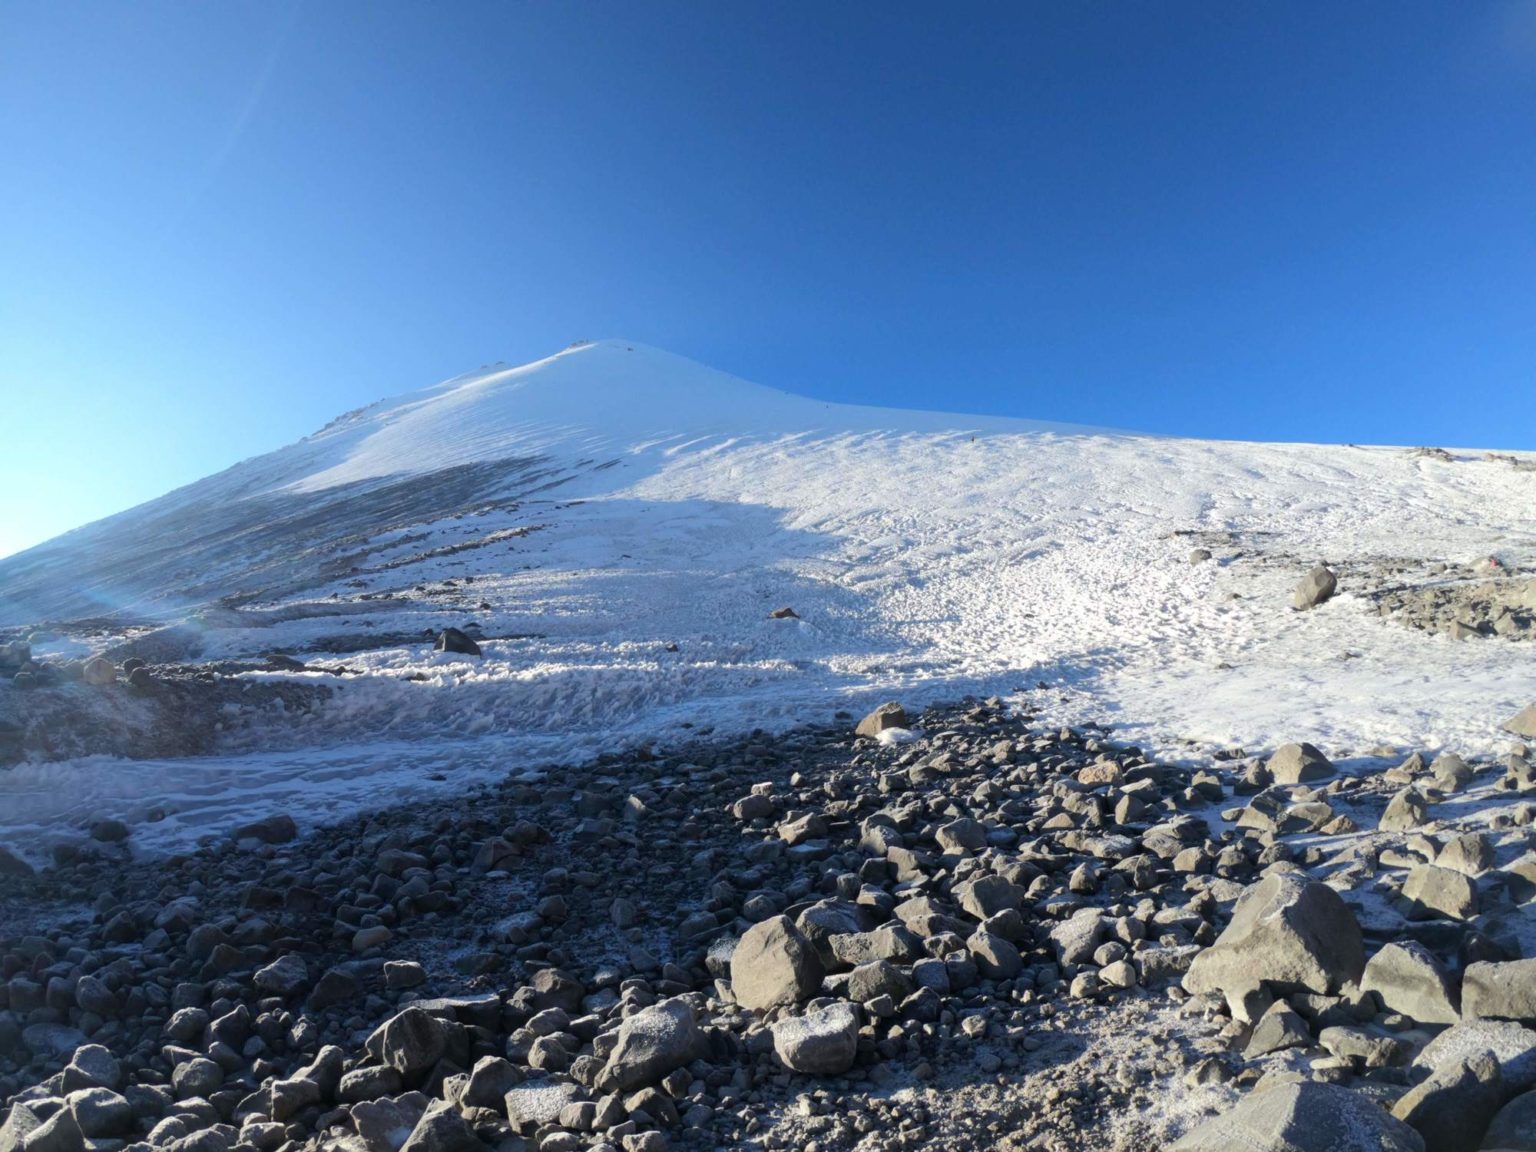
631, 518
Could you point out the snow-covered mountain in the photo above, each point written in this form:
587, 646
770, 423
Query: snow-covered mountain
620, 523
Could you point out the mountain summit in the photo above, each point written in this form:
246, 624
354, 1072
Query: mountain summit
277, 524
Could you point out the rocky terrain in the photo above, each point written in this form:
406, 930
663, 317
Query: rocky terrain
957, 929
494, 770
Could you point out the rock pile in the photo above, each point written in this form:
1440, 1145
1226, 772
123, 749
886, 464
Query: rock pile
663, 949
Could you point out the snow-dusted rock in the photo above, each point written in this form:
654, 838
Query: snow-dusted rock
650, 1044
823, 1042
1306, 1117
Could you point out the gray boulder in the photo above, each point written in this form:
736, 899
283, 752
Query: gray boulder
1316, 587
1286, 931
100, 1112
538, 1104
1405, 811
1512, 1045
454, 640
1499, 990
441, 1129
20, 1123
1305, 1117
986, 896
652, 1043
384, 1125
1514, 1127
92, 1066
58, 1133
1407, 978
1298, 764
1434, 893
774, 965
98, 671
1452, 1108
283, 977
820, 1043
410, 1042
1470, 854
1523, 722
890, 715
1075, 939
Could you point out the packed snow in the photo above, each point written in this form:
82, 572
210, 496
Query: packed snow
629, 519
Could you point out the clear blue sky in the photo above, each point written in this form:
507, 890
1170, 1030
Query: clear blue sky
223, 224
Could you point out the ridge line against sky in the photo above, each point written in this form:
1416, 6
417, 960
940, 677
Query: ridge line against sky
228, 224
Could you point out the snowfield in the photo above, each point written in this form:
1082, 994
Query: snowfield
620, 522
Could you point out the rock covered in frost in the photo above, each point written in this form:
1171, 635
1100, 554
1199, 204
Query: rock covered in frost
823, 1042
1305, 1117
650, 1044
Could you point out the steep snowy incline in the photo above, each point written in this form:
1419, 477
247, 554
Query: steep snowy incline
620, 524
277, 524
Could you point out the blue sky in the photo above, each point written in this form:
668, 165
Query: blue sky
223, 224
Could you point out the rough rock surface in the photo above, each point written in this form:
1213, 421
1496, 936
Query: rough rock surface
1307, 1117
1287, 932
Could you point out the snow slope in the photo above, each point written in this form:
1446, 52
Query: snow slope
629, 519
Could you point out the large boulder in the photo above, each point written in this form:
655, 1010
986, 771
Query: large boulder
1499, 991
1316, 587
1453, 1107
774, 965
1298, 764
820, 1043
1433, 893
1523, 722
1512, 1045
1514, 1127
284, 977
890, 715
1408, 979
1305, 1117
410, 1042
986, 896
651, 1043
1405, 812
1286, 931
